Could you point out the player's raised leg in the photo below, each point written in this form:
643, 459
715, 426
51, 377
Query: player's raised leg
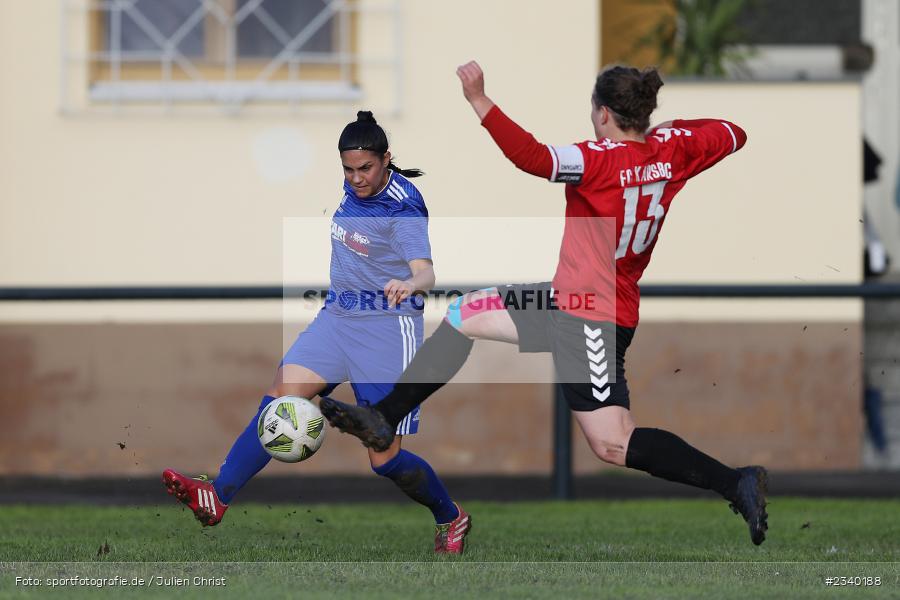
476, 315
210, 499
311, 361
589, 357
247, 456
612, 435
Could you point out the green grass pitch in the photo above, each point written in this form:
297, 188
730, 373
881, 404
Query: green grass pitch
582, 549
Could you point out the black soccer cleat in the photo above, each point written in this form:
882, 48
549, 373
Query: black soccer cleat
750, 501
364, 422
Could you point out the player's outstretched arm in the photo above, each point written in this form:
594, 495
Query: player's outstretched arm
728, 134
472, 78
517, 145
713, 132
710, 141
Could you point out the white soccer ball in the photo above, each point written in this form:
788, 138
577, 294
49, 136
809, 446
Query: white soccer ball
291, 429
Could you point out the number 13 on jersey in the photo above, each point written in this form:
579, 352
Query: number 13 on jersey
647, 228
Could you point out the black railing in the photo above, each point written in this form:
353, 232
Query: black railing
264, 292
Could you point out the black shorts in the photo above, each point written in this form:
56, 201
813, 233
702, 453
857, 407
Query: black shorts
581, 348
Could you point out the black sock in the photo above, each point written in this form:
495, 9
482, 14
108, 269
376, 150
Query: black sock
665, 455
436, 362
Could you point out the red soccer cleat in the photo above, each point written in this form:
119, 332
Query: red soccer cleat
450, 538
199, 495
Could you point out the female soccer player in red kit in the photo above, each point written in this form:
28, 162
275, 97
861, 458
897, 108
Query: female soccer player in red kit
619, 188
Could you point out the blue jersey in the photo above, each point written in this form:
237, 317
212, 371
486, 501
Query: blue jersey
372, 241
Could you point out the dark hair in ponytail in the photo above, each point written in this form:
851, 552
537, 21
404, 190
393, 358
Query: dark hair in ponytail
366, 134
630, 94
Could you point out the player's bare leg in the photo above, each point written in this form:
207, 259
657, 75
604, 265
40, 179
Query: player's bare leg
486, 320
611, 433
476, 315
297, 380
607, 431
378, 459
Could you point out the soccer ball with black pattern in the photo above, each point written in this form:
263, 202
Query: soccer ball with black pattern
291, 429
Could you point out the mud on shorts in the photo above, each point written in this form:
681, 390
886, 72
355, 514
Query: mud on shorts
589, 356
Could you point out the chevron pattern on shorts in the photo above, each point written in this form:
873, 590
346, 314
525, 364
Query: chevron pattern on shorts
596, 355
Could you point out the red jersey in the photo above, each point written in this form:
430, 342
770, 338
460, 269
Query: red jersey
617, 197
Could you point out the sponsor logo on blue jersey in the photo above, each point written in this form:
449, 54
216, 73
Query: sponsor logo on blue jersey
372, 242
355, 241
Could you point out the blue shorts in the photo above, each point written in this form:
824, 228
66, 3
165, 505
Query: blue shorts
370, 352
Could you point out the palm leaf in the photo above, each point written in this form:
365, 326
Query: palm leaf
700, 38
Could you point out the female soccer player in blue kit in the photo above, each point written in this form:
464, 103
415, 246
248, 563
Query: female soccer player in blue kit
367, 332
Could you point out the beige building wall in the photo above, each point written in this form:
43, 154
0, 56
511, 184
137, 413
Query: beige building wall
202, 199
193, 199
182, 199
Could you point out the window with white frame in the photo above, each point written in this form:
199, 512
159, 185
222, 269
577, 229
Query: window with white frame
227, 51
